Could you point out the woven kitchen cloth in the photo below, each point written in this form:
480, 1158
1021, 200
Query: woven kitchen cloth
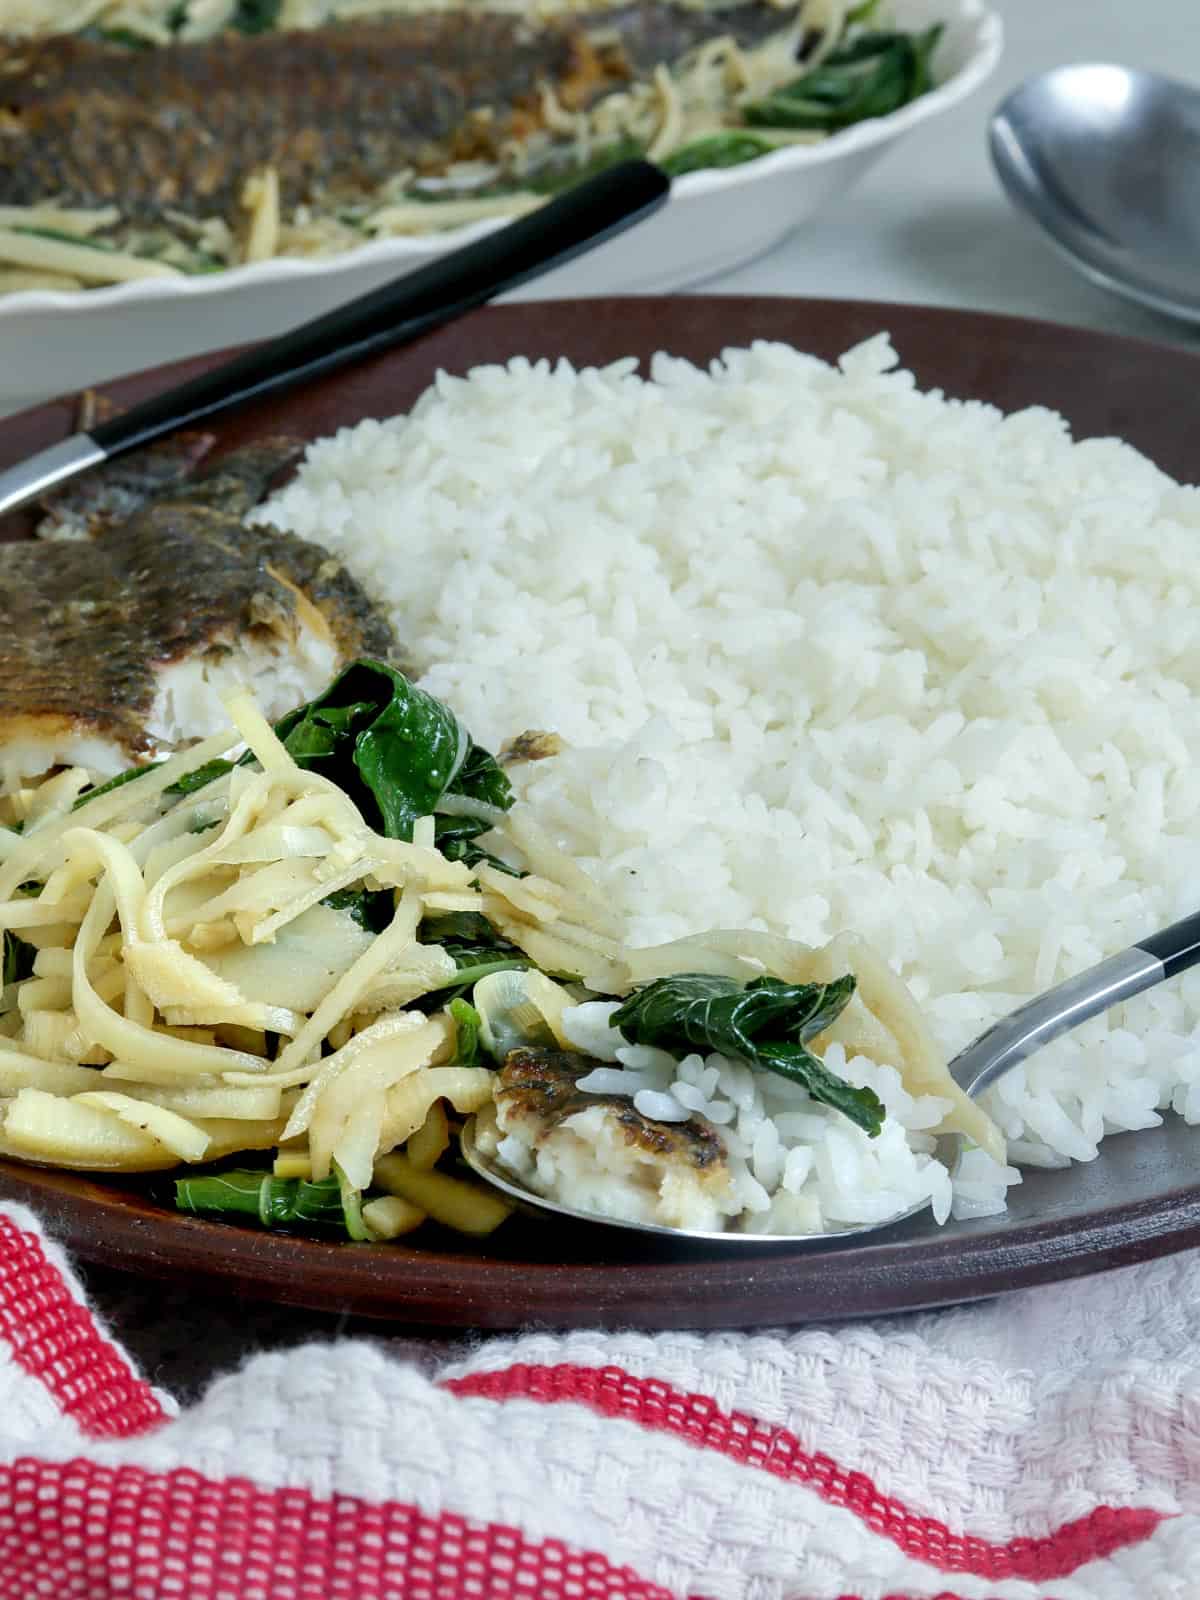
1041, 1447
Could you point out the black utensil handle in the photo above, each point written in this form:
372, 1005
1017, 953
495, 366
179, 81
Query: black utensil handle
572, 223
1177, 947
1141, 966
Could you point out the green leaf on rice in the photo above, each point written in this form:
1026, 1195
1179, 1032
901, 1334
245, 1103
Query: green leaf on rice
767, 1023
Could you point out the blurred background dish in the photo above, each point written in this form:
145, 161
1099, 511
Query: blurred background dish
716, 219
277, 135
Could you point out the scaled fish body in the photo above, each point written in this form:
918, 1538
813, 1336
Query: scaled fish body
336, 110
115, 649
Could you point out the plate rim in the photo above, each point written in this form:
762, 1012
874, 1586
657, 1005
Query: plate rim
445, 1290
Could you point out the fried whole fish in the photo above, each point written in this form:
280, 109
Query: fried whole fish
115, 649
336, 110
598, 1153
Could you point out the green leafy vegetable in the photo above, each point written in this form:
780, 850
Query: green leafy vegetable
394, 749
199, 263
473, 965
119, 782
482, 778
476, 949
275, 1202
255, 16
767, 1023
122, 36
466, 1038
871, 75
61, 236
188, 784
201, 778
924, 45
496, 958
372, 909
456, 836
718, 1013
717, 150
461, 927
485, 963
17, 960
351, 1199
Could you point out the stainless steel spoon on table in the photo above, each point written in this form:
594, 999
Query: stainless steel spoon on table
1005, 1045
577, 221
1106, 159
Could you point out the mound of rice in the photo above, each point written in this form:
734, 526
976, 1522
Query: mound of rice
830, 653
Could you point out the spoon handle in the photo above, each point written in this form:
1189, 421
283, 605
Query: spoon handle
1010, 1041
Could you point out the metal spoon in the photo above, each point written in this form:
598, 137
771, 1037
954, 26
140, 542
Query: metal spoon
1105, 159
1005, 1045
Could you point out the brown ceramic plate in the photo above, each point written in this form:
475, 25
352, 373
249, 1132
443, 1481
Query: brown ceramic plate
1140, 1198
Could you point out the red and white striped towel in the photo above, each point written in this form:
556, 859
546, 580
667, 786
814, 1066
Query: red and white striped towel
1044, 1447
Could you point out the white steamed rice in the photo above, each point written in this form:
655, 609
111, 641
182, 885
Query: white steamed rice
830, 653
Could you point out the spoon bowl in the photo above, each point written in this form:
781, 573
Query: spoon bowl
1106, 159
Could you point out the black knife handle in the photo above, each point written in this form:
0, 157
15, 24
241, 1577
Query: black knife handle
1177, 947
565, 227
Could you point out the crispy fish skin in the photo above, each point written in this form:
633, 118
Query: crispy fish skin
257, 568
540, 1087
87, 626
336, 110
